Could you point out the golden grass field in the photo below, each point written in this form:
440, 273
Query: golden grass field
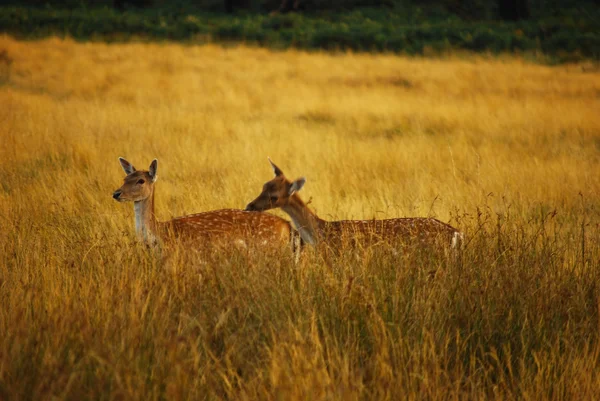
505, 150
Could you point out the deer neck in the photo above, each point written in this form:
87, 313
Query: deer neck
145, 222
308, 224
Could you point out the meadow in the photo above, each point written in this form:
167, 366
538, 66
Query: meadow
506, 150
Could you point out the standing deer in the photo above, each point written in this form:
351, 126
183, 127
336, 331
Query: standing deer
226, 226
282, 193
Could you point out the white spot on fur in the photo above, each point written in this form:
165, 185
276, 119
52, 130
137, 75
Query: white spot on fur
457, 239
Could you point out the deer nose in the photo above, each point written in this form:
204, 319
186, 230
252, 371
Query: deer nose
249, 207
116, 194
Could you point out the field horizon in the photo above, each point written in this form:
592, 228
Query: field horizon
505, 150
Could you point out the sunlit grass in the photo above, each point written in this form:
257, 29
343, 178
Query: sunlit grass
507, 151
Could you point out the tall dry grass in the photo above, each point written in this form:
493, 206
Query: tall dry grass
506, 150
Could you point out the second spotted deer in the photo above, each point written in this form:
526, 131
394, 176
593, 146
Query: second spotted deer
283, 193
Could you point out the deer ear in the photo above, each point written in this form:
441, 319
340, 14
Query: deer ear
276, 169
127, 167
296, 185
152, 170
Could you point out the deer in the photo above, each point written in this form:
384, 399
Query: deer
222, 227
283, 193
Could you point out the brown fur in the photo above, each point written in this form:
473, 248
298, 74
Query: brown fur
223, 227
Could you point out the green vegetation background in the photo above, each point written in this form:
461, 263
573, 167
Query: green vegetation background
559, 30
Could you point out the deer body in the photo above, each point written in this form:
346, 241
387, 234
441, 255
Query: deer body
280, 192
226, 226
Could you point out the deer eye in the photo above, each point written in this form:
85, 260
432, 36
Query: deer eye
141, 181
274, 198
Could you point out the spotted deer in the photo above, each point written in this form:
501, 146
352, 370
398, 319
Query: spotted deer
225, 226
283, 193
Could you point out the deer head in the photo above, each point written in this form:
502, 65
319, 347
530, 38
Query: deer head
138, 185
277, 192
